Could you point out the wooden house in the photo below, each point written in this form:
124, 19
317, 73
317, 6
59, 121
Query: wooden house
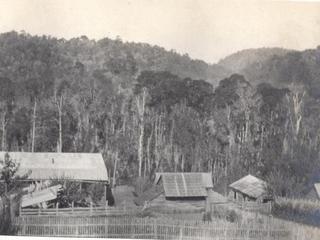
181, 192
41, 168
314, 193
249, 188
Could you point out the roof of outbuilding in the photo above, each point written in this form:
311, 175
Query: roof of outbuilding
52, 165
185, 184
317, 187
250, 185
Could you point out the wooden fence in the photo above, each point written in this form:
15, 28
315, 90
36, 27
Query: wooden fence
78, 211
143, 228
264, 208
255, 206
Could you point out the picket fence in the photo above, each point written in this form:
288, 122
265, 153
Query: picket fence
255, 206
143, 228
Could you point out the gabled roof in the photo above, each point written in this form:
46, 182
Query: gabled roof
250, 185
185, 184
51, 165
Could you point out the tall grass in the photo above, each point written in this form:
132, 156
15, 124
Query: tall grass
297, 210
6, 225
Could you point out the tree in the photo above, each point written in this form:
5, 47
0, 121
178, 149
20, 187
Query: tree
60, 94
8, 175
6, 104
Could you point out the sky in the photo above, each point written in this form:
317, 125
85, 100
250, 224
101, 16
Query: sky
205, 29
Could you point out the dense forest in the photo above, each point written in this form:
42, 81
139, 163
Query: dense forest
147, 109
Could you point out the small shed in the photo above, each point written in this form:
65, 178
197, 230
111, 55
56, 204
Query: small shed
179, 191
192, 186
249, 188
314, 193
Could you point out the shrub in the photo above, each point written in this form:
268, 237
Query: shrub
297, 210
6, 226
207, 217
232, 216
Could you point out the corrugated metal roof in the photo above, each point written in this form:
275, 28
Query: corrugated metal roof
317, 187
51, 165
185, 184
40, 196
250, 185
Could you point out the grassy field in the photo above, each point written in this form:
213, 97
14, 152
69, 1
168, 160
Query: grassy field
298, 210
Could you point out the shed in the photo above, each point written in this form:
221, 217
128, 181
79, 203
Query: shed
249, 188
185, 185
183, 193
314, 193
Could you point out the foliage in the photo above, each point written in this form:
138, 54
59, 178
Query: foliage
10, 195
297, 210
88, 96
6, 226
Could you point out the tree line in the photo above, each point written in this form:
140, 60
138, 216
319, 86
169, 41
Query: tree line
86, 96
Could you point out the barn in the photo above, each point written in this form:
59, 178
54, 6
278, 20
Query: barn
250, 188
40, 168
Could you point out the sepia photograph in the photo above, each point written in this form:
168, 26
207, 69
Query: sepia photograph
149, 119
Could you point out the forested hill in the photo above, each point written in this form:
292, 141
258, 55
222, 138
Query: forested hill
112, 55
146, 111
247, 58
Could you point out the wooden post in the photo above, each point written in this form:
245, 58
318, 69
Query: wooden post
104, 201
72, 206
90, 208
20, 209
57, 206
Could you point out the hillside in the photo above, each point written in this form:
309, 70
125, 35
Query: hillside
243, 59
277, 66
146, 110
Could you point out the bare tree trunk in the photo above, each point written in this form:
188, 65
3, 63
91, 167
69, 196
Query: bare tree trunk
114, 170
148, 151
3, 140
172, 144
60, 124
231, 143
182, 162
141, 108
158, 141
34, 125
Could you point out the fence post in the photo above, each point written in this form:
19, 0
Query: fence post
57, 207
77, 229
90, 208
155, 230
23, 227
268, 231
72, 206
247, 233
181, 232
39, 211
